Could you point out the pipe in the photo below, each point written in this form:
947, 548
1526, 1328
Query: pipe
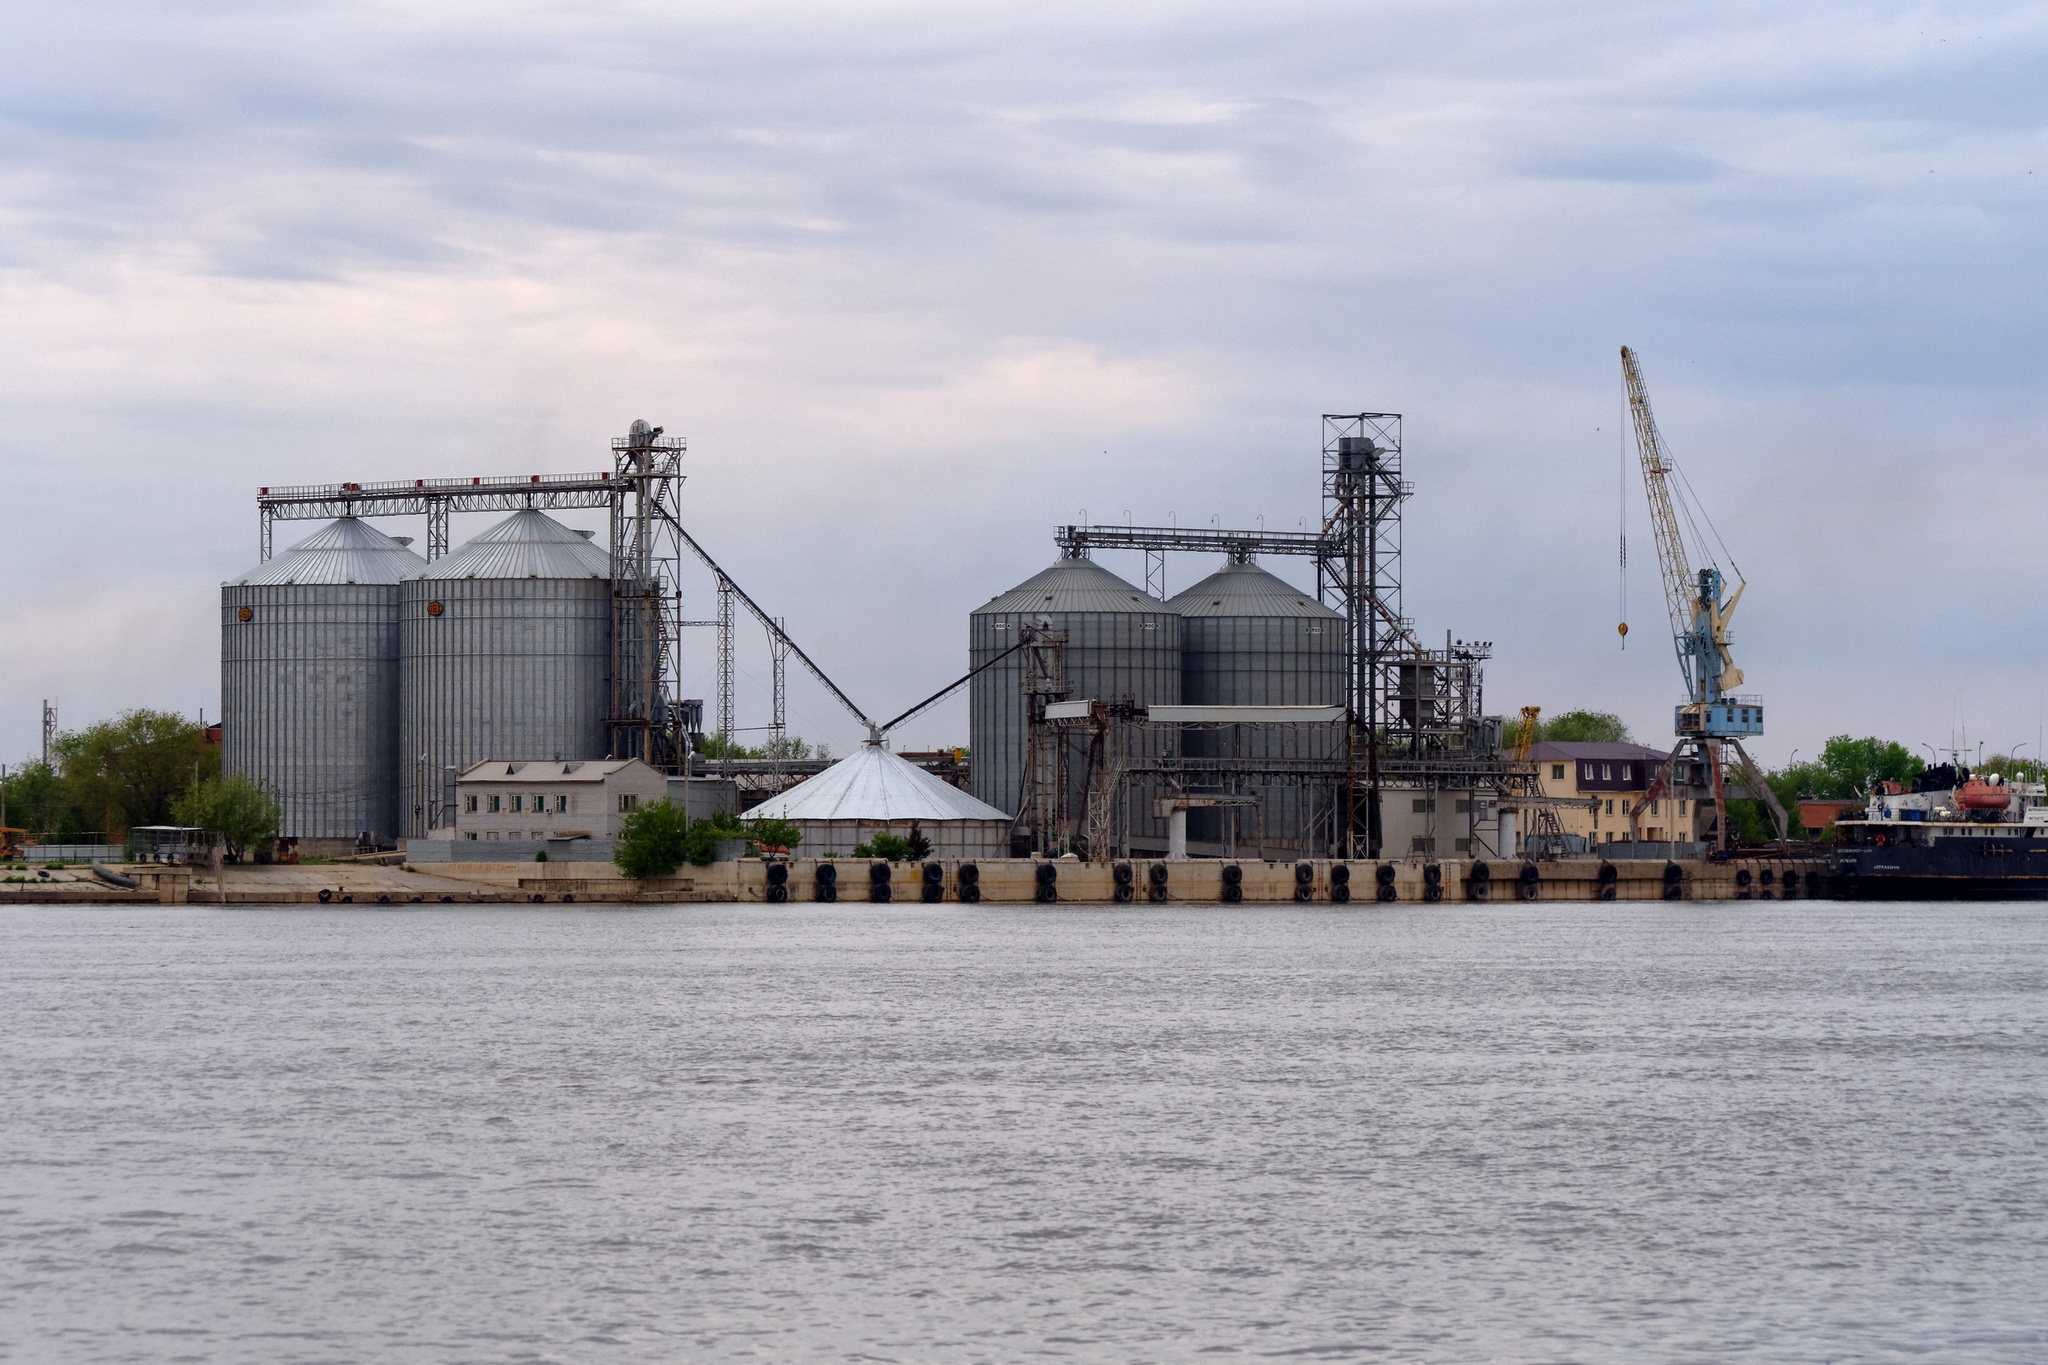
1177, 835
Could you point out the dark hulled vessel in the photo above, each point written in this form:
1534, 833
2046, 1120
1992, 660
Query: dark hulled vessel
1953, 837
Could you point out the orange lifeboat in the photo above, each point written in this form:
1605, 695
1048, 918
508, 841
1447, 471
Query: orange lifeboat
1980, 795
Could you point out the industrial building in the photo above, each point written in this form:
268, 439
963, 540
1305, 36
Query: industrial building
1241, 717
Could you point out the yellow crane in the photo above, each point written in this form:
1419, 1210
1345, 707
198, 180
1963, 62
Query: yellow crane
1713, 717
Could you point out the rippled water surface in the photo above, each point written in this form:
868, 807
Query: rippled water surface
1807, 1132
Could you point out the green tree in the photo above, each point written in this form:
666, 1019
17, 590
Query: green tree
36, 801
1586, 727
786, 747
1846, 770
127, 771
652, 840
236, 807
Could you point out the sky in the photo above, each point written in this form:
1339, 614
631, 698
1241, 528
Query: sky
919, 282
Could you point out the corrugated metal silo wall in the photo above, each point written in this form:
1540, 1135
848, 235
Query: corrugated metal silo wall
1265, 661
309, 702
1108, 655
511, 668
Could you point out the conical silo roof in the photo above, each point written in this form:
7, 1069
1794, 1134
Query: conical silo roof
1247, 590
1072, 585
874, 784
346, 550
526, 544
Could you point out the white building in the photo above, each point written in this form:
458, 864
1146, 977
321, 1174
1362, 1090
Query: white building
498, 802
873, 792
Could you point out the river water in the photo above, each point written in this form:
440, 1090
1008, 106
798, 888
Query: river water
1515, 1133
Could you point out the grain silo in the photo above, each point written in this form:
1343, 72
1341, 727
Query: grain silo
1120, 643
504, 653
309, 680
1251, 639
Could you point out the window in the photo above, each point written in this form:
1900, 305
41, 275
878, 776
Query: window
1653, 807
1628, 772
1610, 836
561, 803
628, 801
1610, 808
1557, 772
491, 833
1422, 843
515, 802
1606, 772
1462, 845
1464, 808
1588, 774
1425, 805
536, 834
540, 803
494, 804
1681, 806
469, 804
472, 833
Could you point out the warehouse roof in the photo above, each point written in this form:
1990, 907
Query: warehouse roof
874, 784
346, 550
552, 771
527, 544
1557, 750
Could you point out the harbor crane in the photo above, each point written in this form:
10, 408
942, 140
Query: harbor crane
1714, 718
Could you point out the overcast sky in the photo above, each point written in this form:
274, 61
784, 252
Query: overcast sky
919, 282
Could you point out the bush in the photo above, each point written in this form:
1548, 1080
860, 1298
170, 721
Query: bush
651, 841
894, 847
782, 834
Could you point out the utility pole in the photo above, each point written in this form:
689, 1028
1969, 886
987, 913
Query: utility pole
49, 729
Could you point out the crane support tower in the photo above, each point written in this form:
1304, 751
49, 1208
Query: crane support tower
1714, 717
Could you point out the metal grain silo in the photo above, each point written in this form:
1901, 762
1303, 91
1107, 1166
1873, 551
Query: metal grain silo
309, 679
504, 652
1119, 643
1251, 639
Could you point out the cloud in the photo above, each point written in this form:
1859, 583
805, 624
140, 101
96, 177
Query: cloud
920, 281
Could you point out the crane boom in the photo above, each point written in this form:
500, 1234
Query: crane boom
1677, 568
1711, 716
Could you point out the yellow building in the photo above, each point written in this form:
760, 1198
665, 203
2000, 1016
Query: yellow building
1596, 785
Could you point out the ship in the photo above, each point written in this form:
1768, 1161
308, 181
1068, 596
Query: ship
1953, 836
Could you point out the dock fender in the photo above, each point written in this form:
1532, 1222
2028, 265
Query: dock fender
113, 878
